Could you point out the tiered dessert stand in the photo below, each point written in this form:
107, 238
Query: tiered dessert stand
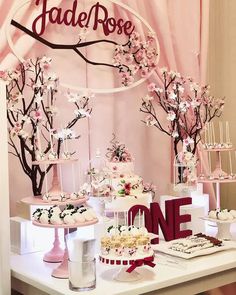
57, 254
218, 176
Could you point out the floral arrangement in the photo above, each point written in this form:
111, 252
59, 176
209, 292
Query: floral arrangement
187, 159
188, 107
125, 188
31, 110
118, 152
135, 58
186, 176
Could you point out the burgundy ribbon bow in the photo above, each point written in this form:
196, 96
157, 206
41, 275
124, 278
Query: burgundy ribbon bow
141, 262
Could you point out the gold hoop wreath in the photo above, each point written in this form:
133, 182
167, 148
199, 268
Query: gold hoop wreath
76, 88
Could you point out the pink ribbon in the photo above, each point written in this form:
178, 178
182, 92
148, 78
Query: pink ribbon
141, 262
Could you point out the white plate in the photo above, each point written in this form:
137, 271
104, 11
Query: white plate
164, 248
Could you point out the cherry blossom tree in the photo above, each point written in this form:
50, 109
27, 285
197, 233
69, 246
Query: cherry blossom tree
187, 105
31, 112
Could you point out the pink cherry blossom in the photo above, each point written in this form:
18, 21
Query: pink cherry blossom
3, 75
127, 79
151, 87
144, 72
38, 116
128, 58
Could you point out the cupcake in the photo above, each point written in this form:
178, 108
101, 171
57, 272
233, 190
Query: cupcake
115, 245
130, 248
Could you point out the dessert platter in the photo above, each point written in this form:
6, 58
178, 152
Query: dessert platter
223, 219
128, 247
194, 246
69, 217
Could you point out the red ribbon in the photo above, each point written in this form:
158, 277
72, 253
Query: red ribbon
141, 262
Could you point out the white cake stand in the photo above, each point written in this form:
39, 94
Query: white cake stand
125, 263
223, 228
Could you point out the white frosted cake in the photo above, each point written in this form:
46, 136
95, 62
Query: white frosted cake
128, 188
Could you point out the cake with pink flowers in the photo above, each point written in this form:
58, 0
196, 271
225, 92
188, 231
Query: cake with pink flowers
128, 188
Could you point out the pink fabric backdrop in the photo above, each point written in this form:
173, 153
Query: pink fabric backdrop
183, 37
182, 29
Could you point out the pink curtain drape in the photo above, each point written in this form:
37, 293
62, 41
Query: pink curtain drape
182, 30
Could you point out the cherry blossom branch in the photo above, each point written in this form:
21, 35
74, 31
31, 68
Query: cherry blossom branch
66, 46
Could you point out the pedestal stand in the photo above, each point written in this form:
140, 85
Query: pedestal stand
218, 174
61, 272
127, 271
123, 276
223, 228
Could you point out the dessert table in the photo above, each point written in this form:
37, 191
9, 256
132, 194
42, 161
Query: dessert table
170, 276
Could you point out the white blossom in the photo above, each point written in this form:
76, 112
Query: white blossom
171, 116
183, 106
174, 74
172, 96
195, 103
163, 70
26, 119
175, 134
82, 112
38, 97
194, 87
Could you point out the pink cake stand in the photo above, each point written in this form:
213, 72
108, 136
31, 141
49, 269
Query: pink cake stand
55, 189
56, 253
61, 272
